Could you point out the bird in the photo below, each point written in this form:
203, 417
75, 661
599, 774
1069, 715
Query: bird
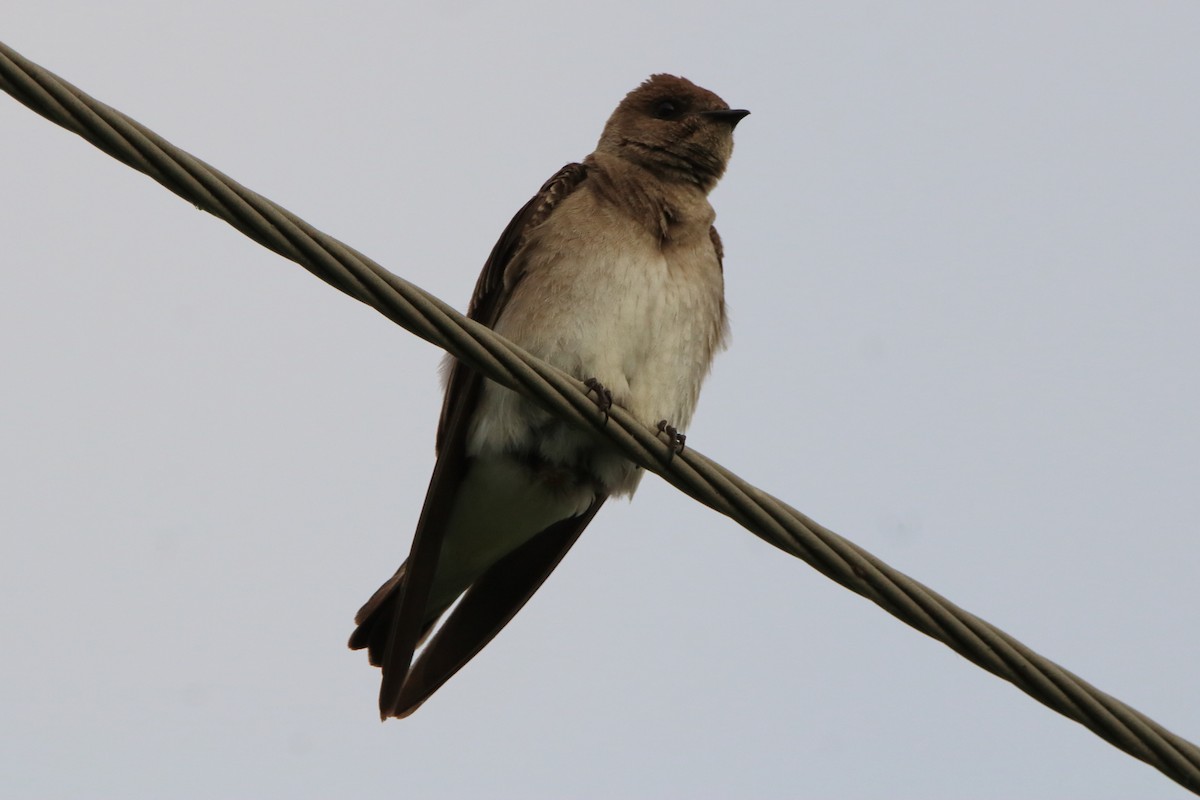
612, 272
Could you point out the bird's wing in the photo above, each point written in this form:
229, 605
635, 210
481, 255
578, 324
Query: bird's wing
496, 281
719, 248
486, 608
393, 622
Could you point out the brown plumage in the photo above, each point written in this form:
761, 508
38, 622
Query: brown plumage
612, 271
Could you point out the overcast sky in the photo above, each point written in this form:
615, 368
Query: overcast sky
961, 259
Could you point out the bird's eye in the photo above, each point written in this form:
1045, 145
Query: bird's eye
667, 109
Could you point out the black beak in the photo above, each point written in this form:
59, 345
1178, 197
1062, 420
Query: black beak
731, 116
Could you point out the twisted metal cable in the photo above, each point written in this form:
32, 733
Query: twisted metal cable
700, 478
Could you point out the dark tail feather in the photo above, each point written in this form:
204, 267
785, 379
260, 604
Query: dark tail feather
374, 619
370, 634
486, 608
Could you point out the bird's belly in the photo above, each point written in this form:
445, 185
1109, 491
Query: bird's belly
642, 328
499, 506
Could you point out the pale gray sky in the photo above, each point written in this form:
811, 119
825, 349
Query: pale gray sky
962, 270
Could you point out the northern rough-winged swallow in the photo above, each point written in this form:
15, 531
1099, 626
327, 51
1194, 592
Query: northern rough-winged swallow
612, 273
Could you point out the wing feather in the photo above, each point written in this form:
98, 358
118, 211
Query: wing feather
394, 620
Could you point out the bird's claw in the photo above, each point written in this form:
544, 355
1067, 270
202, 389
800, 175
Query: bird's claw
674, 437
604, 398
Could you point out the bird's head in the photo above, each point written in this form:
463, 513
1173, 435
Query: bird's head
675, 129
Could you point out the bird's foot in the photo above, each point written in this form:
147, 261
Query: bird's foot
674, 437
604, 398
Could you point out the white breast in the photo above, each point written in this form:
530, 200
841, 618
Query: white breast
600, 298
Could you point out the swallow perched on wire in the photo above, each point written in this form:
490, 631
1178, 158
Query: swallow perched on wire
612, 273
